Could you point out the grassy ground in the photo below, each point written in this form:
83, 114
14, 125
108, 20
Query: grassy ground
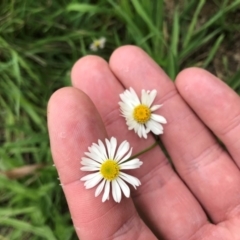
40, 41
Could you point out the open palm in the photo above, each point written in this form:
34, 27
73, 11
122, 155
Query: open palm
200, 199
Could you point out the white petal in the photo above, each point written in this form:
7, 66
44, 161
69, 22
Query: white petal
113, 142
96, 149
122, 97
134, 96
108, 147
93, 167
100, 188
124, 187
89, 176
89, 168
136, 125
144, 97
102, 149
147, 130
130, 179
106, 191
155, 127
93, 47
126, 157
132, 124
141, 131
144, 132
125, 98
128, 98
116, 191
94, 156
102, 41
87, 161
93, 182
158, 118
152, 96
132, 164
122, 149
126, 109
155, 107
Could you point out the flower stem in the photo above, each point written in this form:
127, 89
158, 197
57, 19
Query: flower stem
143, 151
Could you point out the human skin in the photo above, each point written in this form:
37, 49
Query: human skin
200, 199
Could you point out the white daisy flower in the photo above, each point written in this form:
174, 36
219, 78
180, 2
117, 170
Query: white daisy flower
139, 113
98, 44
107, 164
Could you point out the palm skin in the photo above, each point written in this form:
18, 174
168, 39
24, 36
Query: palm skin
200, 200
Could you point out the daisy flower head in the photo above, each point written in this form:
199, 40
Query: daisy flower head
98, 44
139, 112
107, 162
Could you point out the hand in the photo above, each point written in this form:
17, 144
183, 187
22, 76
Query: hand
201, 200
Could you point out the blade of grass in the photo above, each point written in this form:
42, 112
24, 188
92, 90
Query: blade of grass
172, 68
146, 18
8, 212
158, 19
192, 25
175, 33
197, 43
43, 231
213, 51
234, 82
85, 8
218, 15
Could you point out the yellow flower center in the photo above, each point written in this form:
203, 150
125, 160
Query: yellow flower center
142, 113
110, 170
97, 43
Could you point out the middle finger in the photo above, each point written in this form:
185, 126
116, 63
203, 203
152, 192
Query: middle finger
200, 161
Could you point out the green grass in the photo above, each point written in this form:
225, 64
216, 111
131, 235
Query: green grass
40, 41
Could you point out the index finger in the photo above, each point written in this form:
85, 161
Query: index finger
74, 124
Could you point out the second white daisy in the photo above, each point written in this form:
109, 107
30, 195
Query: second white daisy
108, 166
139, 112
98, 44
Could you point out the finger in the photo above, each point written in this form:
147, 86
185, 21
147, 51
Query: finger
159, 182
215, 103
74, 125
199, 160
